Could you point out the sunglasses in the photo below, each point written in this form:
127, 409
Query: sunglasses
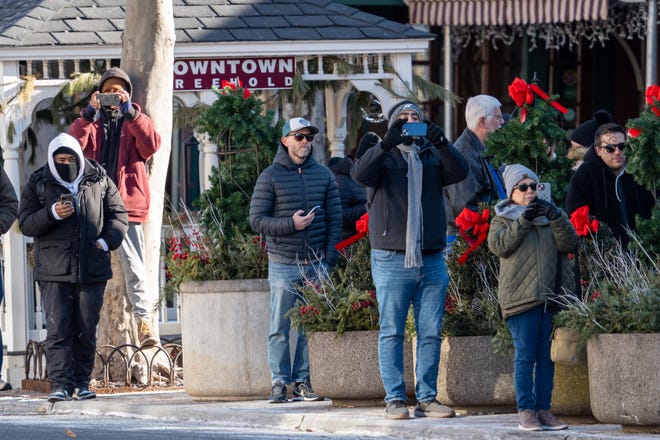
524, 186
611, 148
300, 136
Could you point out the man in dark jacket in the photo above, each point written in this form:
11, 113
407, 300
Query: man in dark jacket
122, 138
352, 194
8, 208
296, 205
603, 184
405, 177
76, 216
483, 184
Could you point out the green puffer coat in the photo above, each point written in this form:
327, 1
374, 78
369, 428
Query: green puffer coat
528, 259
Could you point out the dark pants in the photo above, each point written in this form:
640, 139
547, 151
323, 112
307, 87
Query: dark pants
72, 314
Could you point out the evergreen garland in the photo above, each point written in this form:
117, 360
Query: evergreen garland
529, 144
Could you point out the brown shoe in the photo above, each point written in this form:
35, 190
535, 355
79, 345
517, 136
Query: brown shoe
528, 421
146, 337
549, 422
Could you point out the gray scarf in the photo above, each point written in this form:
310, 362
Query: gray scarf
511, 210
414, 218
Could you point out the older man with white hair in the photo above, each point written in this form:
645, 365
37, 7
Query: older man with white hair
483, 115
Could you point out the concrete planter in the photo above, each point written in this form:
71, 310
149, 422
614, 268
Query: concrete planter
623, 378
345, 368
471, 374
224, 332
570, 394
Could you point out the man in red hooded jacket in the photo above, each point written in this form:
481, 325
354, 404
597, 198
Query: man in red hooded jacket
122, 138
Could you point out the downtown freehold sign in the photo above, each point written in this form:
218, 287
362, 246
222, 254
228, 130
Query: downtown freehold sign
254, 73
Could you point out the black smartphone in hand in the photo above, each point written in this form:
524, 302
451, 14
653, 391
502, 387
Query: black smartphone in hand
67, 199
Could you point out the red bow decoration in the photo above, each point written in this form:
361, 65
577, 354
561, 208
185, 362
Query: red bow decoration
230, 85
362, 228
581, 222
653, 92
467, 220
523, 93
634, 132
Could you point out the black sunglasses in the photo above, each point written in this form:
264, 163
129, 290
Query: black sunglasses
610, 148
300, 136
523, 187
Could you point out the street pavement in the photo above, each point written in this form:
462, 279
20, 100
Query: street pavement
318, 417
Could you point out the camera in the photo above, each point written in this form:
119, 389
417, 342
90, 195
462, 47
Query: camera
109, 99
414, 129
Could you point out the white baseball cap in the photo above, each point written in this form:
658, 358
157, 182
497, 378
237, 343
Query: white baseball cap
296, 124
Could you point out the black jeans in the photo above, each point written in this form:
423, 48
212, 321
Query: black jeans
72, 314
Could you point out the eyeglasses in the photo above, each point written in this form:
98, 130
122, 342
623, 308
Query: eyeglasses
300, 136
610, 148
524, 186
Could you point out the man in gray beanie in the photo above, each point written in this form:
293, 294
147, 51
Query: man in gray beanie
404, 177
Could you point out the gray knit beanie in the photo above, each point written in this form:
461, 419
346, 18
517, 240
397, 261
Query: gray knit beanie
401, 107
515, 173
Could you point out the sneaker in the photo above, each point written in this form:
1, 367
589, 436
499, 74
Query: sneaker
59, 395
549, 422
528, 421
303, 391
396, 410
145, 335
434, 409
83, 394
277, 393
4, 386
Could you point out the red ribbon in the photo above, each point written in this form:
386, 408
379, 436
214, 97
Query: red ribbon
467, 220
362, 228
581, 222
653, 92
523, 93
228, 84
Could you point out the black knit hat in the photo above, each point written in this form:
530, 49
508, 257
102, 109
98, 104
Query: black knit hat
584, 133
401, 107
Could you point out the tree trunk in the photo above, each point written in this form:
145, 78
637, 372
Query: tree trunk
148, 58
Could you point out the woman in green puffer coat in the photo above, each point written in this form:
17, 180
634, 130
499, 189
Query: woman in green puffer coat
532, 238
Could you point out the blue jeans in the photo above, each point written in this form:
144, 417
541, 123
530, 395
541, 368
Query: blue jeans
533, 370
396, 289
283, 280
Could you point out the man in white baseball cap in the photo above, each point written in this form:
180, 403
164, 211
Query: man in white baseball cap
297, 124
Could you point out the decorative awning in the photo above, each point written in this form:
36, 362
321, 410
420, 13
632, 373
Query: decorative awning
504, 12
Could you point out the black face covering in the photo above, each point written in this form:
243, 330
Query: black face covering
67, 171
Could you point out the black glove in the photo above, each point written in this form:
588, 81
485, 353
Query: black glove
548, 209
393, 137
531, 211
436, 135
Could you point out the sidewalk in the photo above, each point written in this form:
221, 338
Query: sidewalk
318, 417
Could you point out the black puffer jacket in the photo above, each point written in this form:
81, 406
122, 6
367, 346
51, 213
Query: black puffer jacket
282, 189
385, 176
352, 194
64, 250
614, 200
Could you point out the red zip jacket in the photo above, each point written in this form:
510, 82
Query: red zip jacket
139, 141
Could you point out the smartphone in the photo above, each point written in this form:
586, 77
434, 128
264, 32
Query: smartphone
414, 129
67, 199
109, 99
313, 209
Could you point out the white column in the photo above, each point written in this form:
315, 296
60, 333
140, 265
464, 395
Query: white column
335, 115
208, 158
16, 291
